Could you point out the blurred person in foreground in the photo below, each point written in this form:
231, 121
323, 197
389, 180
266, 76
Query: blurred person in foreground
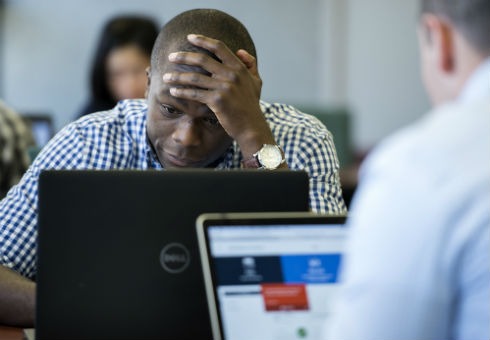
15, 139
418, 261
120, 61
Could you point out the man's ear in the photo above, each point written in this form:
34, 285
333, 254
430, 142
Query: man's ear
148, 81
440, 39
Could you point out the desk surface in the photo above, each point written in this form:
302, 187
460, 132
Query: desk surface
10, 333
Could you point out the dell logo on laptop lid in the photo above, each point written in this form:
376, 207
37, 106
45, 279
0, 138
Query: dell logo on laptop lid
174, 258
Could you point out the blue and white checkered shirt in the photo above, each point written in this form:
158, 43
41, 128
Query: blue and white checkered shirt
116, 139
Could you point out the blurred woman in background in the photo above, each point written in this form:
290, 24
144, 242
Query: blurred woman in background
120, 61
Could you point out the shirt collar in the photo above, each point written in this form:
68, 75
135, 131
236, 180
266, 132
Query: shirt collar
478, 85
151, 156
229, 157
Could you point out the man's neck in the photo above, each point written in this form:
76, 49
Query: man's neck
468, 63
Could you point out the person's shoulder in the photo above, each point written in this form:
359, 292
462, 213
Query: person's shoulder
400, 153
450, 124
95, 106
126, 112
440, 144
110, 136
125, 123
284, 116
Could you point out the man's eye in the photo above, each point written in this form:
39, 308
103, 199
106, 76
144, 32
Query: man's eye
168, 110
213, 121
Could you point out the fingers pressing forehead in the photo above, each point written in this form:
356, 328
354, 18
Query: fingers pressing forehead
184, 68
187, 46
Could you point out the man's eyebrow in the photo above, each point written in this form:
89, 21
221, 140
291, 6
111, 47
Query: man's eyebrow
180, 101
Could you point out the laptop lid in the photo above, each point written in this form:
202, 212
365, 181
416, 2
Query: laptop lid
117, 250
270, 275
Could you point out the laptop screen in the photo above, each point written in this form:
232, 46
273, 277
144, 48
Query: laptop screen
42, 128
273, 279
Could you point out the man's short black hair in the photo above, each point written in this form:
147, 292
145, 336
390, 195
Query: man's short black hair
471, 18
209, 22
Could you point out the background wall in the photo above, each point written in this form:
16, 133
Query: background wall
384, 86
324, 53
2, 43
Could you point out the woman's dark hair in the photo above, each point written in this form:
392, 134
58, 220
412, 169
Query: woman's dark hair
120, 31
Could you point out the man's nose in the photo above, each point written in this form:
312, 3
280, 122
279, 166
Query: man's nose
187, 133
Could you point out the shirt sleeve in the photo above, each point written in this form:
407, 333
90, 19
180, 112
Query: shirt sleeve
18, 210
308, 146
325, 188
314, 151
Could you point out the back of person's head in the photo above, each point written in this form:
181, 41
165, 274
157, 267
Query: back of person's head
120, 31
470, 17
209, 22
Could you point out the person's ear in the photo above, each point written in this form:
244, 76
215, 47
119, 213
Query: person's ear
148, 80
439, 35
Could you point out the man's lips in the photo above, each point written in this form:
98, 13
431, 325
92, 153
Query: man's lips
182, 162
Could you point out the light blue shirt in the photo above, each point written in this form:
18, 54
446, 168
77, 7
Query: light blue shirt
418, 259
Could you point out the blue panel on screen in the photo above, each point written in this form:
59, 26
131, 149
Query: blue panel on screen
310, 268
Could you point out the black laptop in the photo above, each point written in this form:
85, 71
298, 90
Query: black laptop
118, 255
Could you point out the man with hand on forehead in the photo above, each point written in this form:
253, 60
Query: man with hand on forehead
205, 83
203, 109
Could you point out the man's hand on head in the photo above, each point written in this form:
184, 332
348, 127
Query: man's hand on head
231, 91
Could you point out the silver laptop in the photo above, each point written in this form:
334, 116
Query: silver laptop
270, 275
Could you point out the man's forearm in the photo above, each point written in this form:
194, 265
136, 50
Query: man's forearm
17, 299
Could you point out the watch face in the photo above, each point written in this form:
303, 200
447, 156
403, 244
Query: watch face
270, 156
